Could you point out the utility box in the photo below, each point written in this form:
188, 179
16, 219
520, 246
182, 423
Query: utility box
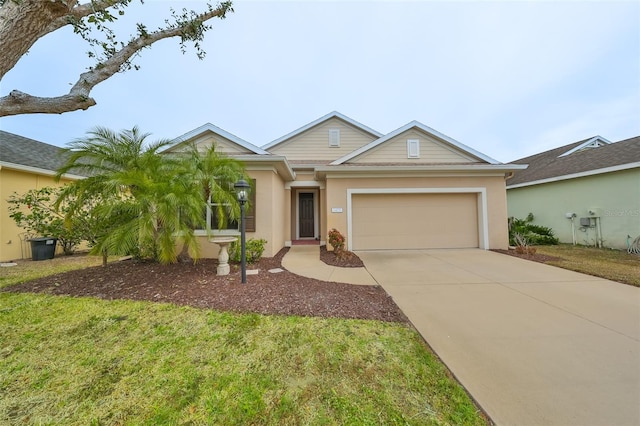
43, 248
585, 221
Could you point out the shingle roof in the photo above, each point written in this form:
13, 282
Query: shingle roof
550, 164
23, 151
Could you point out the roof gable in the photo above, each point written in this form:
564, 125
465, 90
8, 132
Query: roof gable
323, 140
578, 159
324, 118
208, 134
594, 142
440, 148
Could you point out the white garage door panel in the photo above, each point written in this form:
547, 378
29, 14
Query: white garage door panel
414, 221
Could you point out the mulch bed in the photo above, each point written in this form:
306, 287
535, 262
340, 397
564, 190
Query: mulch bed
197, 285
345, 259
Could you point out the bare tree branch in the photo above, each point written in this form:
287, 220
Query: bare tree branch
78, 97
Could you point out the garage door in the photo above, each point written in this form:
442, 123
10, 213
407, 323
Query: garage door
414, 221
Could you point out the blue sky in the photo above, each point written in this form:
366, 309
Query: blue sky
508, 79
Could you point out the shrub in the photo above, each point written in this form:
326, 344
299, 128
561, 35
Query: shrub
34, 211
253, 250
534, 234
336, 239
522, 245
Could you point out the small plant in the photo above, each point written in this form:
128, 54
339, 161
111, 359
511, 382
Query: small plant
522, 245
253, 250
535, 234
336, 239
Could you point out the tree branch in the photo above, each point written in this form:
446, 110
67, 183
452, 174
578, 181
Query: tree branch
79, 96
82, 11
21, 25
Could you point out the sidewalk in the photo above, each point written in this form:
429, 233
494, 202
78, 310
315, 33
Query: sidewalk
305, 261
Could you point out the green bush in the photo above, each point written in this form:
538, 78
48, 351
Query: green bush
253, 250
536, 235
35, 212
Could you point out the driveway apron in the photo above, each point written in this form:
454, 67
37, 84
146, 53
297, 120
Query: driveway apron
534, 344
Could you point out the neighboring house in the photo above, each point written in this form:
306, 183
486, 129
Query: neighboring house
24, 164
413, 188
588, 192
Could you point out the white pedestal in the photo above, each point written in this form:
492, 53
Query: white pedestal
223, 255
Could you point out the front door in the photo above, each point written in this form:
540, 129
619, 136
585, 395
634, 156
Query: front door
305, 215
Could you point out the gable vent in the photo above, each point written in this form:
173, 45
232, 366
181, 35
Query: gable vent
334, 138
594, 142
413, 148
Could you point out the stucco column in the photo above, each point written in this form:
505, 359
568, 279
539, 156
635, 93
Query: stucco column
287, 217
324, 211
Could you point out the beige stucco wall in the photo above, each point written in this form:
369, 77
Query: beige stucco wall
615, 196
270, 214
395, 151
313, 144
17, 181
494, 187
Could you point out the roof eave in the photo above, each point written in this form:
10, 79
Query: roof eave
37, 170
428, 169
280, 163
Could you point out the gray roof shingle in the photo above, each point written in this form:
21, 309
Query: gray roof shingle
549, 164
23, 151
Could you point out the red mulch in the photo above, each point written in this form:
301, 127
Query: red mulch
344, 259
198, 285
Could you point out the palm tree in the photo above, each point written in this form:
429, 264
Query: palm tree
153, 201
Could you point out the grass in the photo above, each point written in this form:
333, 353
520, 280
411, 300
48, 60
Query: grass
615, 265
83, 361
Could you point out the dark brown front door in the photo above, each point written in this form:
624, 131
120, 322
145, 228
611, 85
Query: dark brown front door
305, 215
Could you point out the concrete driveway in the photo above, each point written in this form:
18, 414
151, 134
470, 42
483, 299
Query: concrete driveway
533, 344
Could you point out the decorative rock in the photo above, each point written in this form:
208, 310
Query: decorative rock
276, 270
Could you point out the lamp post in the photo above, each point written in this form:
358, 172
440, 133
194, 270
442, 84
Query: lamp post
242, 191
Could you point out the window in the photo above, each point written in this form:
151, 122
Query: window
413, 148
334, 138
211, 215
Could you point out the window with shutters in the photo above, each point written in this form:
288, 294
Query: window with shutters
233, 226
334, 138
413, 148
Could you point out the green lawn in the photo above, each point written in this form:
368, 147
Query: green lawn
81, 361
615, 265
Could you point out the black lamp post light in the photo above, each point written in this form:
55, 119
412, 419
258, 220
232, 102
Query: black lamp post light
242, 191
